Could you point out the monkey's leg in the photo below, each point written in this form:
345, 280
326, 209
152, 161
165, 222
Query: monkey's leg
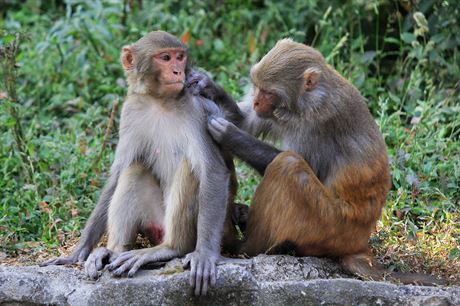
292, 207
136, 204
230, 243
180, 226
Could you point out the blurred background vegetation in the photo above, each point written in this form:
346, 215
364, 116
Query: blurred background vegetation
60, 80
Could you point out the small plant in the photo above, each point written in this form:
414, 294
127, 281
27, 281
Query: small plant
8, 53
59, 83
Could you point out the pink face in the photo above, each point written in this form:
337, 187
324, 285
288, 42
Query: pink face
263, 103
171, 63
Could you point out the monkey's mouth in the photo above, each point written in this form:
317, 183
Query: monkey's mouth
174, 83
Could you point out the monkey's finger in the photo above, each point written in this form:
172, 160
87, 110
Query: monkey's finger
186, 262
49, 262
219, 124
58, 261
126, 266
202, 84
136, 267
213, 274
83, 255
192, 272
215, 127
212, 129
98, 262
90, 268
206, 277
119, 260
194, 77
199, 278
221, 120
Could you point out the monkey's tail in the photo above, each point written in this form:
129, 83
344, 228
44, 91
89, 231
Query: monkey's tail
363, 266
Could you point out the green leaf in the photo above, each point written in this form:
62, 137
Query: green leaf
408, 37
218, 45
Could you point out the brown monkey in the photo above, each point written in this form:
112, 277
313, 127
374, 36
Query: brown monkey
168, 180
324, 192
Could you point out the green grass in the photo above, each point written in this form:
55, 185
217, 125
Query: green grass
404, 58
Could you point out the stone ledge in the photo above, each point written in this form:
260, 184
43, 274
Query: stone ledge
263, 280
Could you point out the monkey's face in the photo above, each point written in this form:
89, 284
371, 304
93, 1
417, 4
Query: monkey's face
170, 65
264, 102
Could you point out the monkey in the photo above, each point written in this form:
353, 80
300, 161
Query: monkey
168, 179
322, 192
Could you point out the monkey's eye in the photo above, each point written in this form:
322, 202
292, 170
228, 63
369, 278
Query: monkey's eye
180, 56
165, 57
268, 94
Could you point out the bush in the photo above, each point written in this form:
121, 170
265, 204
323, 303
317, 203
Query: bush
402, 56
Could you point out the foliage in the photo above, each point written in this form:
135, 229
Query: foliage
402, 55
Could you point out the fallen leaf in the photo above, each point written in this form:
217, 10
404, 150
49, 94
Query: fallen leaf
251, 43
74, 212
60, 236
185, 37
94, 183
264, 35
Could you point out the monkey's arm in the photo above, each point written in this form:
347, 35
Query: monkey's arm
212, 201
246, 147
97, 222
94, 229
200, 84
241, 114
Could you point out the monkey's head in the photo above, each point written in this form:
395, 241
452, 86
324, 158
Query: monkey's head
286, 74
156, 65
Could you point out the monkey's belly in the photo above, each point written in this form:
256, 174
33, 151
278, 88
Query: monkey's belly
154, 232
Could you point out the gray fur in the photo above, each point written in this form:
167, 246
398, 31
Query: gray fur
330, 125
168, 137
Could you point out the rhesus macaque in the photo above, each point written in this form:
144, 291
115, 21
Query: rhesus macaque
323, 193
168, 180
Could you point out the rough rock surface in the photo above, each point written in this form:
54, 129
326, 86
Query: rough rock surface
263, 280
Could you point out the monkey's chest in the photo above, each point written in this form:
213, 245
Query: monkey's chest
169, 144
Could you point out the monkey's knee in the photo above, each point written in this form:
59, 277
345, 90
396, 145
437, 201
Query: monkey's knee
133, 175
290, 166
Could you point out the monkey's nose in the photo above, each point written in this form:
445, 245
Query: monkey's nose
177, 72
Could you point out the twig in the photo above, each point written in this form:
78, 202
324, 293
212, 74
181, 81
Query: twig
8, 55
107, 131
125, 13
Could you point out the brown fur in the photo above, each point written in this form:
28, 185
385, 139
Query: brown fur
323, 192
326, 198
291, 204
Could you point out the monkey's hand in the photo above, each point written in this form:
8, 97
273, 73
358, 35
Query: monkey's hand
241, 144
202, 270
78, 255
96, 261
219, 128
202, 85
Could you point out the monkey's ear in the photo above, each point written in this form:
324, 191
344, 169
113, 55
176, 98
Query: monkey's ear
311, 78
127, 58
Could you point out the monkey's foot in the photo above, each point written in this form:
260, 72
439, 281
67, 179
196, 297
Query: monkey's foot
129, 262
240, 216
97, 260
202, 270
79, 255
